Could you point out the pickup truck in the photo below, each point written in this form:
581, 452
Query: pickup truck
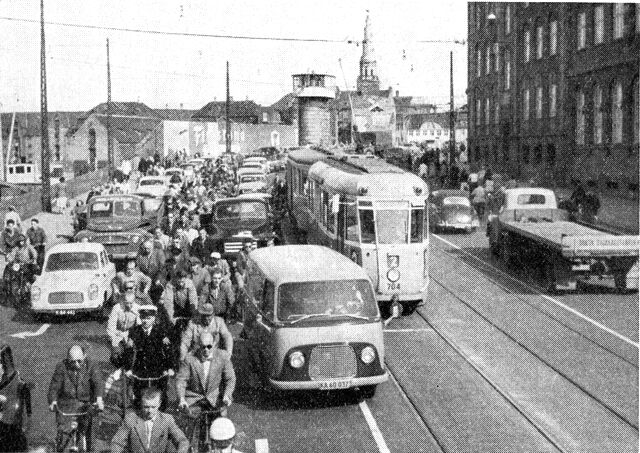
529, 228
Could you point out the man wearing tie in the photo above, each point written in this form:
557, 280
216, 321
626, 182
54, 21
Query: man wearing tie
150, 431
201, 375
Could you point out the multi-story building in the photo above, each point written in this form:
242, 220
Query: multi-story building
553, 91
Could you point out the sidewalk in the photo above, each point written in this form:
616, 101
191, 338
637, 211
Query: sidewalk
616, 213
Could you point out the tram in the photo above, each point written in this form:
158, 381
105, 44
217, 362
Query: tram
371, 211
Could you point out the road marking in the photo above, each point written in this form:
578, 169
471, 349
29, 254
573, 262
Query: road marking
22, 335
408, 330
373, 426
544, 296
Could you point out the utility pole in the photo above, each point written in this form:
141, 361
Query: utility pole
110, 156
4, 168
44, 123
452, 122
226, 114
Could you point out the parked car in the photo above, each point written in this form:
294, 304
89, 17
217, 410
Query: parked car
119, 222
313, 326
76, 278
174, 171
246, 218
253, 167
252, 182
152, 185
451, 210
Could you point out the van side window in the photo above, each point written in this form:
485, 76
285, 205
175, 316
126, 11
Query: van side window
267, 299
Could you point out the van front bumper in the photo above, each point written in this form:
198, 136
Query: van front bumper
329, 384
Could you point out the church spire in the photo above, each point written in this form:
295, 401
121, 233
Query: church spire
368, 79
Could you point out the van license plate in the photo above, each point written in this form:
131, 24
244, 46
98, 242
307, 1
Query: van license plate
65, 312
335, 385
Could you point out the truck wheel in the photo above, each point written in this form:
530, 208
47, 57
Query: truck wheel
620, 280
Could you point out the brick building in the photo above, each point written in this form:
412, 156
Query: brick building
553, 91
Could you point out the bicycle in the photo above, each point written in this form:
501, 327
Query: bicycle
203, 421
80, 439
149, 383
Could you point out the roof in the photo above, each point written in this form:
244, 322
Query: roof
174, 114
308, 156
450, 193
282, 264
363, 164
114, 196
285, 102
74, 247
137, 109
237, 109
129, 130
29, 122
242, 197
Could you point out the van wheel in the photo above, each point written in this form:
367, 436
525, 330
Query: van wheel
368, 391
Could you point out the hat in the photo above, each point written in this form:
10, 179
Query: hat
195, 260
206, 309
146, 310
222, 429
216, 255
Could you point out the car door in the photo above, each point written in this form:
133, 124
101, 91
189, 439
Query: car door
108, 272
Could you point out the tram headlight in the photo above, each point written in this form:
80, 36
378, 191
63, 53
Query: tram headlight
296, 359
368, 355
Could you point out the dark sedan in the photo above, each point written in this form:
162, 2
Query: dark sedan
451, 210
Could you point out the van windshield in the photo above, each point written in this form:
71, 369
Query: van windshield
326, 298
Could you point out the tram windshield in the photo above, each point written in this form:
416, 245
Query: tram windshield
392, 226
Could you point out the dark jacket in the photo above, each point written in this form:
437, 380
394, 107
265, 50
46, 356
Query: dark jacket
68, 387
150, 356
203, 249
37, 236
222, 302
131, 436
191, 385
151, 264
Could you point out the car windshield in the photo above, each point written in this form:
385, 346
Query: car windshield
243, 209
252, 178
456, 200
326, 298
72, 261
152, 182
117, 208
392, 226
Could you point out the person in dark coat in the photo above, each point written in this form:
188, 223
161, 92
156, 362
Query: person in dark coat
38, 239
219, 294
143, 166
149, 353
14, 399
203, 246
151, 262
591, 203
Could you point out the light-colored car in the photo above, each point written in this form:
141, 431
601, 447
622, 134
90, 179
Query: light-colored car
255, 166
170, 172
152, 185
76, 278
252, 182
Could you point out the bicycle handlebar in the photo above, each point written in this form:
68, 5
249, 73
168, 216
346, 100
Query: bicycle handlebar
154, 378
92, 408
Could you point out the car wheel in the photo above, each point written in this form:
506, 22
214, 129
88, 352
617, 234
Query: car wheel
368, 391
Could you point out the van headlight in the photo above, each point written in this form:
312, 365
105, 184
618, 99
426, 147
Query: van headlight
368, 355
93, 291
35, 294
296, 359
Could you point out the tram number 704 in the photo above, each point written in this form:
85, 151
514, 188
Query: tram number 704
393, 286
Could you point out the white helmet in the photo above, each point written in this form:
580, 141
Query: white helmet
222, 429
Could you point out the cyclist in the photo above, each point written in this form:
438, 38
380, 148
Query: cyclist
222, 434
217, 261
15, 399
124, 315
201, 375
9, 236
150, 354
205, 322
150, 430
76, 383
198, 275
151, 262
219, 295
38, 239
23, 253
131, 273
180, 301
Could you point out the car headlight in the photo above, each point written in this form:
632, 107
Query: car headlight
296, 359
35, 293
93, 291
368, 355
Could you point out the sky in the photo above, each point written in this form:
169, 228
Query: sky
172, 71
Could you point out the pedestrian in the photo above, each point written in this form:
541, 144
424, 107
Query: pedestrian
149, 430
38, 239
61, 196
591, 203
479, 200
12, 214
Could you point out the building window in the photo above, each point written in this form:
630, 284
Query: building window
553, 37
478, 61
539, 102
537, 154
477, 112
487, 111
496, 112
507, 70
553, 96
598, 25
496, 56
616, 113
582, 30
539, 35
597, 116
551, 153
525, 154
580, 118
618, 20
488, 60
527, 45
507, 19
635, 99
525, 105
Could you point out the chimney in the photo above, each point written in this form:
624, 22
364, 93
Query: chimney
397, 93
